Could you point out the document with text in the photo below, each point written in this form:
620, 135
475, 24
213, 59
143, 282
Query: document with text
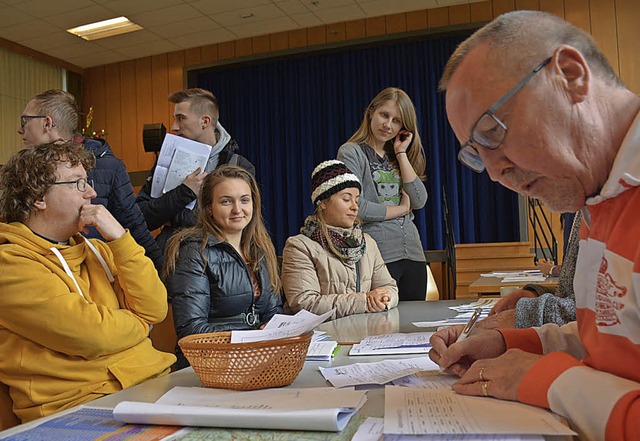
178, 158
413, 411
322, 350
372, 430
381, 372
389, 344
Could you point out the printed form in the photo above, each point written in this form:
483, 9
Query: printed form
380, 372
412, 411
389, 344
372, 430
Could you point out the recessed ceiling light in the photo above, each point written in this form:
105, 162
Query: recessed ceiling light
106, 28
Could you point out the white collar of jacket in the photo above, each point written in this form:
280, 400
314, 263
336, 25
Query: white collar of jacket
625, 173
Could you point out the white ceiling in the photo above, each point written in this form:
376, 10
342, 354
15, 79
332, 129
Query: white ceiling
171, 25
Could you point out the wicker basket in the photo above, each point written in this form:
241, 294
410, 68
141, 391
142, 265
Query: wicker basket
245, 366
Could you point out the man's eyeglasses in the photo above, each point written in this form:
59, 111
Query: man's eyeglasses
81, 184
24, 119
488, 131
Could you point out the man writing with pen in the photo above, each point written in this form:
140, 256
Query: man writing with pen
535, 103
75, 313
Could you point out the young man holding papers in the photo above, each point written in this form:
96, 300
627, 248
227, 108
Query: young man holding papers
196, 115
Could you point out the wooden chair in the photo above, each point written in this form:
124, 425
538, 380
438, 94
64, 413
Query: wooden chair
163, 335
7, 417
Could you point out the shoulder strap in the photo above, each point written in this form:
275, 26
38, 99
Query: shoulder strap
235, 158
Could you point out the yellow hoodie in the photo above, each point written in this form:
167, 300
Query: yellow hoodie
59, 347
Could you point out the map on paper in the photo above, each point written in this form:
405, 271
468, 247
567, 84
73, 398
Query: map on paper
91, 424
178, 158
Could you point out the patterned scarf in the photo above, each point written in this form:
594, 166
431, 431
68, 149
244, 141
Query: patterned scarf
349, 242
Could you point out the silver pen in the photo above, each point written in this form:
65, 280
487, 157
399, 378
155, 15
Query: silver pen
470, 324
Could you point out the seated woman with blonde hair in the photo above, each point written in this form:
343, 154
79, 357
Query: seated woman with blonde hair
222, 273
332, 263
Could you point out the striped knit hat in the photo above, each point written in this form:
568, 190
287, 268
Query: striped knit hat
330, 177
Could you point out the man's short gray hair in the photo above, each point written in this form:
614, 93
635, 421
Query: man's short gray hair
521, 39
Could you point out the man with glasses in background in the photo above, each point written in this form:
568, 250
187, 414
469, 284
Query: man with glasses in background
53, 115
75, 313
561, 127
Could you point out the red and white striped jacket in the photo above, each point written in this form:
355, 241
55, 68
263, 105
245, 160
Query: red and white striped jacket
591, 371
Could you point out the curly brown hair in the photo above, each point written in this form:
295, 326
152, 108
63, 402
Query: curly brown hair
30, 173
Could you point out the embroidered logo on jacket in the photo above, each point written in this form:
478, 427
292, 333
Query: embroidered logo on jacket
608, 294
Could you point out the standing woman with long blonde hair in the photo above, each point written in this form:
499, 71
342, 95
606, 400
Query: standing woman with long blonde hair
222, 273
386, 154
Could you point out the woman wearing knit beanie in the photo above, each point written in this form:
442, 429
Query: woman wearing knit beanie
386, 154
332, 263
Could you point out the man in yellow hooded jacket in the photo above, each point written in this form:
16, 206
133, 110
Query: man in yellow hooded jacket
75, 314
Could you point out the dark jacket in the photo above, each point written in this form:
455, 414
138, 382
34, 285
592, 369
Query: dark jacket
170, 208
113, 186
213, 297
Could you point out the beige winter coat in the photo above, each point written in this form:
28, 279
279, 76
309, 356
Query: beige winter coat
317, 281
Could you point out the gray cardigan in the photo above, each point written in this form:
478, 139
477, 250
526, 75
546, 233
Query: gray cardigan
553, 307
397, 238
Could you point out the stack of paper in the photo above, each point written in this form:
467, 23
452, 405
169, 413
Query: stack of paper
322, 409
321, 350
380, 372
527, 276
389, 344
320, 335
464, 313
535, 272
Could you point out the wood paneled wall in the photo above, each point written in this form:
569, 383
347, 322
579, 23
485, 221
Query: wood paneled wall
21, 77
129, 94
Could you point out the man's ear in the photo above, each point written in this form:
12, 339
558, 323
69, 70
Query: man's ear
206, 121
574, 72
40, 204
48, 124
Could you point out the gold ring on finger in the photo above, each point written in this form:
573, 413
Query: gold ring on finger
485, 388
482, 376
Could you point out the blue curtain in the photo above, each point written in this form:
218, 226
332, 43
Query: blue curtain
290, 114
